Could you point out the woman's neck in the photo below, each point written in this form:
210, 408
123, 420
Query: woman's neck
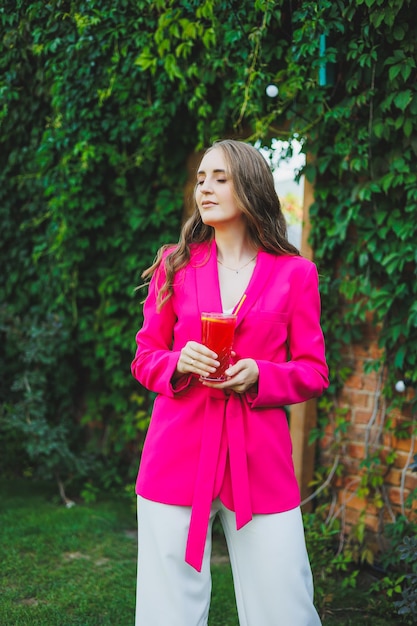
234, 250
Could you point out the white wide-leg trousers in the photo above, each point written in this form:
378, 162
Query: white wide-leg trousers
271, 571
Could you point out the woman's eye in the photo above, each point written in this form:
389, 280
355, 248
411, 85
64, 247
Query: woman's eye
218, 180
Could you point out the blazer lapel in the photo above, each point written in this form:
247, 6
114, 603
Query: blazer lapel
207, 279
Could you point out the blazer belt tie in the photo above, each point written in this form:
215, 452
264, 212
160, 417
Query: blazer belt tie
204, 486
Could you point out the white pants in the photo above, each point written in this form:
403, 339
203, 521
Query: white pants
271, 571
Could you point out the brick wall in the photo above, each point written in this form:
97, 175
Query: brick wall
369, 432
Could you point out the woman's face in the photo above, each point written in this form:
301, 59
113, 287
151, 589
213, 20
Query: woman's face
214, 192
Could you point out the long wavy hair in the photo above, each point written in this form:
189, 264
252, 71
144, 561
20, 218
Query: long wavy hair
256, 197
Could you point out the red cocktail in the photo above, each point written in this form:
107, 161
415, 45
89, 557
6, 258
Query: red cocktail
217, 334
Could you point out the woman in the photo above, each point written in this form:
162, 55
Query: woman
224, 448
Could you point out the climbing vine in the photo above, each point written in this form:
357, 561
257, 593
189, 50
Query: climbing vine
360, 118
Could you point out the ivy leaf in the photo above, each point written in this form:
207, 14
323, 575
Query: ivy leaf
399, 357
403, 99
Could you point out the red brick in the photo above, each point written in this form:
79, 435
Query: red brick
360, 504
393, 477
362, 399
372, 523
361, 416
362, 382
410, 482
326, 441
352, 467
368, 350
356, 451
351, 517
329, 428
387, 440
347, 482
357, 433
401, 458
404, 445
345, 398
397, 496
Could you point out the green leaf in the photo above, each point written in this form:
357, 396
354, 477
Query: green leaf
399, 357
403, 99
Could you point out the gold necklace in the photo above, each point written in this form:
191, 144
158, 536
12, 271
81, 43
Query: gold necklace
237, 270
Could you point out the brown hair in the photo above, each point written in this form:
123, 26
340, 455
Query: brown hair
255, 194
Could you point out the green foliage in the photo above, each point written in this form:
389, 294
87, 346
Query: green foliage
400, 563
332, 568
100, 107
362, 136
88, 192
359, 131
408, 554
36, 422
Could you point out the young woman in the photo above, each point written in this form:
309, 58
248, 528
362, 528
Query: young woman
224, 448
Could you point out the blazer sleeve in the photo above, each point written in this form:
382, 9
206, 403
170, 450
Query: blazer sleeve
305, 374
155, 361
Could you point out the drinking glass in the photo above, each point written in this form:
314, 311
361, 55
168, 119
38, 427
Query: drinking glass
217, 334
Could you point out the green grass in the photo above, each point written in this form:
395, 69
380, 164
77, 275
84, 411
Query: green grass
72, 566
62, 567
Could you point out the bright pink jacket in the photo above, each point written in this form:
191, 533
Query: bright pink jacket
203, 444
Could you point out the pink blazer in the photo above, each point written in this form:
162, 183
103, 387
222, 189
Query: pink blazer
203, 444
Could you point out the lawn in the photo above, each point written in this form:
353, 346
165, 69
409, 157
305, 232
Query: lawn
65, 566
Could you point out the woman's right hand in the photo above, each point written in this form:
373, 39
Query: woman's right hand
197, 359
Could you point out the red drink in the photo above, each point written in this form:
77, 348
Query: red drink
217, 334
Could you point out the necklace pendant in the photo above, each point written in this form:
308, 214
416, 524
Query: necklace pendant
232, 269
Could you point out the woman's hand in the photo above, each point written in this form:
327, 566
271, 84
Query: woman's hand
241, 376
196, 359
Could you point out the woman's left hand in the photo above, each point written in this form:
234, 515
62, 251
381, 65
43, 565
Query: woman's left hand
241, 376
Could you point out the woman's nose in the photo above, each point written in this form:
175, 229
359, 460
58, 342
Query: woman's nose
206, 187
